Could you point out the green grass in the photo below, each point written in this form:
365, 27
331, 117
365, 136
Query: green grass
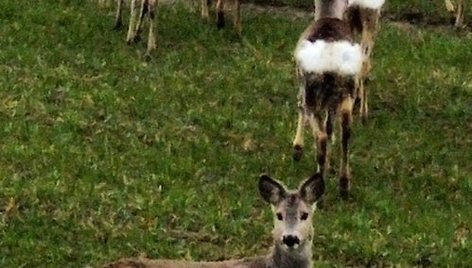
105, 155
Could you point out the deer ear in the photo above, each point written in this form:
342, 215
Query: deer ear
271, 190
312, 189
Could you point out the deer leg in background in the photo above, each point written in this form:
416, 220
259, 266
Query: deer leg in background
460, 14
220, 14
370, 22
362, 95
152, 8
237, 16
118, 15
143, 10
205, 14
132, 22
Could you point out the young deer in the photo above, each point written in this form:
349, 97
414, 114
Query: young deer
220, 15
146, 7
363, 17
292, 233
459, 12
328, 64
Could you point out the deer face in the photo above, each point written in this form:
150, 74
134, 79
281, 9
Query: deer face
293, 210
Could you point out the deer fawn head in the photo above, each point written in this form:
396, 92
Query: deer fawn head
293, 210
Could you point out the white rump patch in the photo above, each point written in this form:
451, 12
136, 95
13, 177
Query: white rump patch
373, 4
340, 57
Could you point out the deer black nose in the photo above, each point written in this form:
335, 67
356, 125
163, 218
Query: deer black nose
290, 240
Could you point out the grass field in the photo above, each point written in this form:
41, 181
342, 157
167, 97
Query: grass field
105, 155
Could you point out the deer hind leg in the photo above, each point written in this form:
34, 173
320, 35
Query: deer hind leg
363, 99
152, 7
298, 141
132, 22
346, 122
118, 15
237, 17
220, 14
460, 14
205, 13
317, 123
330, 125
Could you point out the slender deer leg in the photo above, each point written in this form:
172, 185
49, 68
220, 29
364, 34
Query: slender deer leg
220, 14
143, 11
365, 107
460, 14
237, 17
298, 142
321, 137
330, 125
360, 95
118, 15
132, 22
321, 146
362, 90
151, 45
346, 122
205, 14
364, 110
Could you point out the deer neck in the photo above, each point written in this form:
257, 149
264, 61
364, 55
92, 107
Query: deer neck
330, 9
282, 258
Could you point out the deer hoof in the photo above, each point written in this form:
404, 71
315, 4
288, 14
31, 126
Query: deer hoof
344, 186
297, 152
220, 20
137, 38
118, 25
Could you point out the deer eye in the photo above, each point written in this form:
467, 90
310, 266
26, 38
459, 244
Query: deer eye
304, 216
279, 216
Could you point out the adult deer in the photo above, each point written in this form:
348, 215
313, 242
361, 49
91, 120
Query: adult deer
363, 17
292, 233
328, 65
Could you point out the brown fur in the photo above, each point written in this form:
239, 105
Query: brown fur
291, 205
330, 30
324, 95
